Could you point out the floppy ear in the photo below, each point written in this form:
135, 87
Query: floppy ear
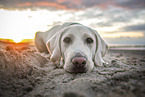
101, 49
53, 48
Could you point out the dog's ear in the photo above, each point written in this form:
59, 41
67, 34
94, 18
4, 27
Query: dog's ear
101, 49
53, 48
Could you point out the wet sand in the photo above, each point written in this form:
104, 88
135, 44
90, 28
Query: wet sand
24, 72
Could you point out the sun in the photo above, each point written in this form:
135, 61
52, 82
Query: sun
17, 40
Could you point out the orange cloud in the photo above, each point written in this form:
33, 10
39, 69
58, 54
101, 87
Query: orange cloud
73, 4
41, 4
50, 4
25, 4
60, 4
61, 1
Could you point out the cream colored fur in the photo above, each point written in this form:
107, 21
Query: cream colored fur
52, 41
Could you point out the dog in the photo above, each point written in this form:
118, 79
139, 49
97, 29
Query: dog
79, 47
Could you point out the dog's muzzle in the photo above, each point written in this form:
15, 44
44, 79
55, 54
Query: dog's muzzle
79, 63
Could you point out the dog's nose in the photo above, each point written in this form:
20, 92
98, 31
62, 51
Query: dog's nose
79, 62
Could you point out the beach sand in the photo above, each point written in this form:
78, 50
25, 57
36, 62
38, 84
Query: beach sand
24, 72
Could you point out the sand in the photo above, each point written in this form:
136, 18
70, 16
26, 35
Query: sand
24, 72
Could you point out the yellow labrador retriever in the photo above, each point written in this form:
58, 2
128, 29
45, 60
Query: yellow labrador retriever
78, 46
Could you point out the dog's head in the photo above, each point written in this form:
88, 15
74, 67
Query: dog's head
79, 47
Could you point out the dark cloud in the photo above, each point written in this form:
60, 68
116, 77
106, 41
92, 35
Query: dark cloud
139, 27
72, 4
60, 4
22, 4
131, 4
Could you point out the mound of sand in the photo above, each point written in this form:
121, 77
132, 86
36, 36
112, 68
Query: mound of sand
27, 73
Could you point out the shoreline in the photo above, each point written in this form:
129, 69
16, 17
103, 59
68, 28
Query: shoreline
127, 51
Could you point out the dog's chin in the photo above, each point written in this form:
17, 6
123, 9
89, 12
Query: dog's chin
82, 70
76, 70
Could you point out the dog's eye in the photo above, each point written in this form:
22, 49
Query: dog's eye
89, 40
67, 40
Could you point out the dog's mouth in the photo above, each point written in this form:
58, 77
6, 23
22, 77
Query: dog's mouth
79, 70
79, 64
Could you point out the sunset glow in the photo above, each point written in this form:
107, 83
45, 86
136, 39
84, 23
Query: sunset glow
17, 40
21, 24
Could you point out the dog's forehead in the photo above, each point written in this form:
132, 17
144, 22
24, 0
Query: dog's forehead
78, 30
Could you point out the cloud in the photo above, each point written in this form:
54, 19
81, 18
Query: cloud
113, 17
139, 27
72, 4
126, 41
59, 4
131, 4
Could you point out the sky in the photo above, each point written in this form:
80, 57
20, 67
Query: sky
119, 22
